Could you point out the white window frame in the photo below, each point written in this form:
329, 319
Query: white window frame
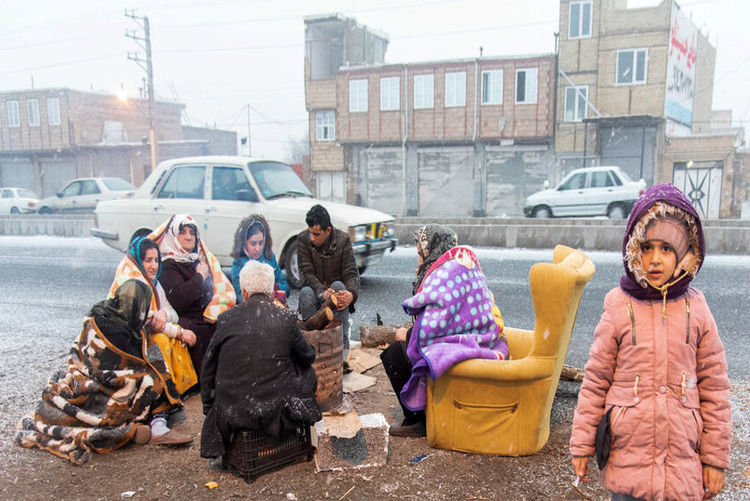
580, 7
325, 125
358, 96
424, 91
455, 89
491, 95
578, 114
633, 80
53, 111
14, 113
390, 98
527, 86
32, 112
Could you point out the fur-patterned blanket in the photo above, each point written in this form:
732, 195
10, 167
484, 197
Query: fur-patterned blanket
97, 402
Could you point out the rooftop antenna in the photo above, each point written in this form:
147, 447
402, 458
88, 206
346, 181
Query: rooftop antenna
481, 49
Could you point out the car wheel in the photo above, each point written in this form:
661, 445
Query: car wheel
45, 210
14, 210
542, 212
616, 211
143, 232
291, 267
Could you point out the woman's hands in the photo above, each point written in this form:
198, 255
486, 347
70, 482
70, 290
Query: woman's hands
156, 321
188, 337
202, 269
713, 481
401, 334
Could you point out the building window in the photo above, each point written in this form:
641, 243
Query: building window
32, 110
53, 111
389, 94
14, 116
575, 103
455, 89
526, 86
325, 125
492, 87
357, 96
424, 91
579, 20
631, 66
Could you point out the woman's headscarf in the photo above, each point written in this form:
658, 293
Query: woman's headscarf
171, 248
137, 251
432, 240
122, 317
245, 229
661, 202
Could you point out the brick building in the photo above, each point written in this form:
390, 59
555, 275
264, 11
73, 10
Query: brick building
450, 138
51, 136
635, 89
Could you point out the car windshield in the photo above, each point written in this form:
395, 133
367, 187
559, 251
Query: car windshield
26, 193
275, 179
117, 184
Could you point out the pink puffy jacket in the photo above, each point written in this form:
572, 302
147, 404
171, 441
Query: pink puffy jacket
664, 372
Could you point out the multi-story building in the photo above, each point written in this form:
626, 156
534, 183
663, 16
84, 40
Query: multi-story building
635, 90
451, 137
50, 136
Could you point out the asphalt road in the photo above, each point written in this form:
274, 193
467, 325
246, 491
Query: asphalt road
47, 285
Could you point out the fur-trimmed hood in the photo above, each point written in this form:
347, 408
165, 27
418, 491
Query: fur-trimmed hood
659, 201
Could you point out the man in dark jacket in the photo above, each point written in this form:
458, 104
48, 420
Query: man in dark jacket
257, 374
327, 267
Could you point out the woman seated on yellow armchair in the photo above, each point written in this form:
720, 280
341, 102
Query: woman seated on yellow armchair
455, 319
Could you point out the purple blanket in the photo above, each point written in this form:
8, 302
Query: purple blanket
454, 323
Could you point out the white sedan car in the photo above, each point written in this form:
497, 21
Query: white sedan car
17, 200
82, 195
219, 191
592, 191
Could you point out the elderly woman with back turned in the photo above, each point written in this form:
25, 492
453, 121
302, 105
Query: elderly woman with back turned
275, 390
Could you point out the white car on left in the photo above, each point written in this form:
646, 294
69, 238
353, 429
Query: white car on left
82, 195
17, 201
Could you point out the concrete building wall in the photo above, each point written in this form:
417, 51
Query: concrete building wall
704, 85
217, 142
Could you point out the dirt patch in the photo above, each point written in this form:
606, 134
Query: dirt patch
153, 472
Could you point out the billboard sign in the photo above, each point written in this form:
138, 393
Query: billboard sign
681, 58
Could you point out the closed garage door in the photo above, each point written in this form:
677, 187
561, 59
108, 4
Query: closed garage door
56, 174
385, 185
17, 173
446, 182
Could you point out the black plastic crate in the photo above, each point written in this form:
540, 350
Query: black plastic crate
253, 453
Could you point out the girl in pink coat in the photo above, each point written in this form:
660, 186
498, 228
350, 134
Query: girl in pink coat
657, 362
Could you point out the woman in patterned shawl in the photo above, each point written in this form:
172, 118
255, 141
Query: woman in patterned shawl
114, 382
455, 318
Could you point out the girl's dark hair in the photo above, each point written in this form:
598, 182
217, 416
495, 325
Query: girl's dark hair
248, 227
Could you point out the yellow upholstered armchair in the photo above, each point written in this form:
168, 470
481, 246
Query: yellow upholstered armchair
503, 407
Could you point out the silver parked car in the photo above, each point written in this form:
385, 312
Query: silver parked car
17, 200
592, 191
82, 195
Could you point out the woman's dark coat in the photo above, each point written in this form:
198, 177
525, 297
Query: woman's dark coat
257, 375
189, 295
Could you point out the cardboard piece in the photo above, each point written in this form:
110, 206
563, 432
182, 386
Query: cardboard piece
342, 426
354, 381
361, 361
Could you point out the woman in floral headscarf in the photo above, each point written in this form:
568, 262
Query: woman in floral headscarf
455, 318
193, 282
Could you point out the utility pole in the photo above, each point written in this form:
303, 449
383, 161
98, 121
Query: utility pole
145, 43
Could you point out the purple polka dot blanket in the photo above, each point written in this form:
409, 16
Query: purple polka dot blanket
454, 322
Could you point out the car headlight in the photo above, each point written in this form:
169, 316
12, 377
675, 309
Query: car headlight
357, 233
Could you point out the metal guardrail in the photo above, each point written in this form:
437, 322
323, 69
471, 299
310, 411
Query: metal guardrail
723, 236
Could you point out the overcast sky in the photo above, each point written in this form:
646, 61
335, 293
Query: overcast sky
219, 56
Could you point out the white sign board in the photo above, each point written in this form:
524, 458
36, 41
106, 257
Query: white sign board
681, 58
